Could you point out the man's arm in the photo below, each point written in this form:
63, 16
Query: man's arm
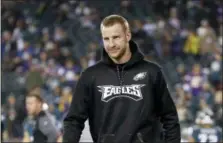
78, 112
166, 110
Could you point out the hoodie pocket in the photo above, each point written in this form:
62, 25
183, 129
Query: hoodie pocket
107, 138
111, 138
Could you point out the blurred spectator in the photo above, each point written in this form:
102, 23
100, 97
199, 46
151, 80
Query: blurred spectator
87, 22
149, 26
34, 80
217, 109
180, 95
207, 94
8, 49
126, 8
12, 127
192, 45
60, 36
194, 82
62, 13
69, 73
9, 15
43, 60
173, 20
176, 48
6, 44
18, 33
215, 69
92, 53
158, 36
29, 125
220, 41
207, 38
45, 35
64, 102
82, 9
194, 79
182, 113
181, 72
166, 38
138, 34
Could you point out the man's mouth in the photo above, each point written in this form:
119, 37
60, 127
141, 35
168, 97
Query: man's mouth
113, 51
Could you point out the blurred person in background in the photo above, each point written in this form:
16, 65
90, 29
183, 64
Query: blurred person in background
166, 39
69, 73
207, 94
45, 129
149, 26
173, 19
92, 53
181, 71
64, 101
126, 8
208, 39
217, 108
215, 71
12, 130
192, 44
138, 34
176, 48
29, 126
206, 131
158, 36
194, 80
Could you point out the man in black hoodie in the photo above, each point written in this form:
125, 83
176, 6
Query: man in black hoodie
123, 95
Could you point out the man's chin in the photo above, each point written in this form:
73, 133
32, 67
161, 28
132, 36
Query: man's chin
114, 56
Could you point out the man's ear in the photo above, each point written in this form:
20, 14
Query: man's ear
128, 35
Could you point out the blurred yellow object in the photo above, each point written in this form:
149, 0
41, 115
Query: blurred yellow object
69, 99
192, 44
5, 135
60, 139
26, 137
61, 107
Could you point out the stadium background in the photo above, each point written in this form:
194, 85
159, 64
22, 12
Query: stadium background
46, 44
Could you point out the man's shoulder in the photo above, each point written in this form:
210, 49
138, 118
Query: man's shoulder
152, 65
91, 71
94, 68
46, 116
47, 121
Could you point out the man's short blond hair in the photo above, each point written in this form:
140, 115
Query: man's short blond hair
115, 19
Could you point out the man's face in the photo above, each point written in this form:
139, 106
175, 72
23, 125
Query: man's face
115, 40
32, 105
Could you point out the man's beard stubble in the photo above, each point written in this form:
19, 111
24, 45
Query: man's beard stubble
122, 53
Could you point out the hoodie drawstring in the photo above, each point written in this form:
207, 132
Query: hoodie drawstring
120, 75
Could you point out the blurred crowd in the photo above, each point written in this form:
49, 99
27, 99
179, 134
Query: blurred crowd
45, 45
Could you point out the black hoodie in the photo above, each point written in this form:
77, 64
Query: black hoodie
122, 105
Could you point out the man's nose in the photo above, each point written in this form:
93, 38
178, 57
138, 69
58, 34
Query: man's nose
111, 43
